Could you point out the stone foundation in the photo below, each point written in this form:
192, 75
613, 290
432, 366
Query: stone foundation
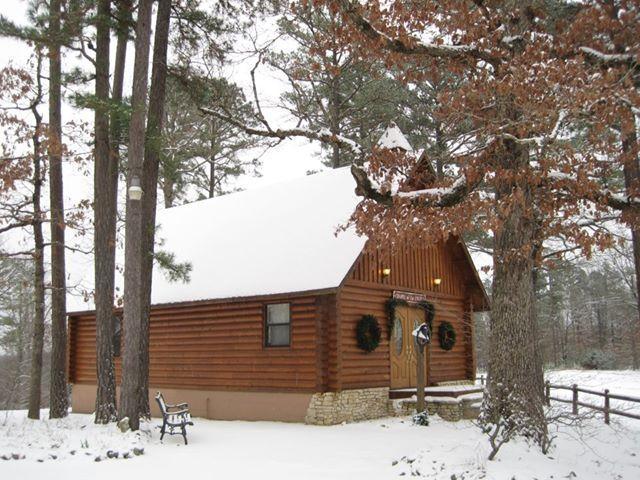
331, 408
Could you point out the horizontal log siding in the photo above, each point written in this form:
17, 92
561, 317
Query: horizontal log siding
365, 292
360, 369
214, 346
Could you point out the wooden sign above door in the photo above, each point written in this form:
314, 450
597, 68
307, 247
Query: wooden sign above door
409, 297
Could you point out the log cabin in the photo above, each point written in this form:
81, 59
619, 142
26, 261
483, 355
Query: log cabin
266, 327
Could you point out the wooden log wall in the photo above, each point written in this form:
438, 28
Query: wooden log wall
416, 268
218, 346
366, 292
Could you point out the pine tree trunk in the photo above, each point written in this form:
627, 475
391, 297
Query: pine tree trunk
212, 160
334, 123
104, 221
513, 403
167, 191
334, 114
58, 395
149, 201
37, 337
212, 177
116, 121
133, 285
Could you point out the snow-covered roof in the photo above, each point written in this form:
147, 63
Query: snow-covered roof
276, 239
281, 238
394, 138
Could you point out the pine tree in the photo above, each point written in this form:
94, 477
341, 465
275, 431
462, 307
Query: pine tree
104, 220
58, 395
133, 283
199, 151
329, 87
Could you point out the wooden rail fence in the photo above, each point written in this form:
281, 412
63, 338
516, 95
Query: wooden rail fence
575, 400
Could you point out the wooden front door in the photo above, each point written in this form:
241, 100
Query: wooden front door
402, 347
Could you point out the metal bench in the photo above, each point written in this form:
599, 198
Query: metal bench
174, 417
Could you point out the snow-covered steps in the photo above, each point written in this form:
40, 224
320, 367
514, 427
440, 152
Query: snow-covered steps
437, 391
464, 405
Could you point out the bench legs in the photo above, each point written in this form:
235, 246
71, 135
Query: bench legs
162, 430
183, 429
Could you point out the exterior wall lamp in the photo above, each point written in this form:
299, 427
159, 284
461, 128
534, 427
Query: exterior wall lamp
135, 190
437, 281
386, 272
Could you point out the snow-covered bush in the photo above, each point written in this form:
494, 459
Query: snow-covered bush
421, 419
598, 360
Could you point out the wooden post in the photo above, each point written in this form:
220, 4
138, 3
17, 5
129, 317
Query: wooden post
574, 402
482, 380
606, 406
420, 380
547, 392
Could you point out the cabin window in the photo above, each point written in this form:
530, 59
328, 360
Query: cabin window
278, 325
117, 336
397, 335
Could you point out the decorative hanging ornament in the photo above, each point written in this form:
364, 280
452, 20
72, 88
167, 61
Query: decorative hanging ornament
422, 334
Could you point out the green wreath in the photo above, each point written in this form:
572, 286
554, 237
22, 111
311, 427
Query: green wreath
368, 333
446, 335
392, 303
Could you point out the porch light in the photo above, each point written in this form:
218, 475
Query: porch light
437, 281
386, 272
135, 190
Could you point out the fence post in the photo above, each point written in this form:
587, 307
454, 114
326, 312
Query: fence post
574, 402
606, 406
547, 392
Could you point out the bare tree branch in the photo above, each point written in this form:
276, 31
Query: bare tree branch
322, 135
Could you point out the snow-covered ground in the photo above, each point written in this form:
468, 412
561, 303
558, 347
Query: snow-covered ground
380, 449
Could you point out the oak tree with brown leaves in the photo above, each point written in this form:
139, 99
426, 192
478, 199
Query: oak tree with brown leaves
542, 161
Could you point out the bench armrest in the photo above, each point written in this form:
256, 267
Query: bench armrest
178, 405
179, 412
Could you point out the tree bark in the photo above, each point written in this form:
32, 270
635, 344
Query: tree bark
150, 185
37, 337
513, 404
116, 120
535, 323
212, 160
167, 190
58, 395
334, 116
133, 285
104, 220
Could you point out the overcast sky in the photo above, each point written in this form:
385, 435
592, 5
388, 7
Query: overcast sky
290, 159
